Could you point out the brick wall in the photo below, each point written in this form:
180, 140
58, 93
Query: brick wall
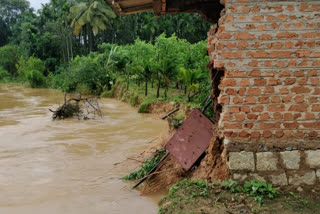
270, 54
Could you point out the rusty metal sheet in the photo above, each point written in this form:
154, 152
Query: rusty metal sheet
191, 139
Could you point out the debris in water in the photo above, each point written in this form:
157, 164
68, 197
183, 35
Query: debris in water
83, 108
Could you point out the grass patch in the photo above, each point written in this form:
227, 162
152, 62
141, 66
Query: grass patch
146, 166
194, 196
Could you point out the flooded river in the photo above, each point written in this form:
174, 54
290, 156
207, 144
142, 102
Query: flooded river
69, 166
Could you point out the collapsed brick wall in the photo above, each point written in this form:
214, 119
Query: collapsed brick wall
270, 92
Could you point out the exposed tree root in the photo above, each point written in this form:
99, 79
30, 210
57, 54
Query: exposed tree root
83, 108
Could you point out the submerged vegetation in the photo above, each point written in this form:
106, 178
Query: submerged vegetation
146, 166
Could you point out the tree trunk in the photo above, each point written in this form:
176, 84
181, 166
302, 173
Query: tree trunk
128, 80
185, 89
158, 87
177, 85
146, 88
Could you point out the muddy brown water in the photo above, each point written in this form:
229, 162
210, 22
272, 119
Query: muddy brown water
69, 166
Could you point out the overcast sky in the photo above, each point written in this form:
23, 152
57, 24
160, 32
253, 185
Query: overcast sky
36, 4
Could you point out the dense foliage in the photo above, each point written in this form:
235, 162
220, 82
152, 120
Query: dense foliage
80, 45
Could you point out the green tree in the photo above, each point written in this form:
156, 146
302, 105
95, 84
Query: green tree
9, 57
95, 14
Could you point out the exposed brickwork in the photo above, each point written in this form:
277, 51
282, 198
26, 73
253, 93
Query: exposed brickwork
270, 51
270, 93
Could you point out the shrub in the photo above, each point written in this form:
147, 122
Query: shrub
86, 72
25, 66
4, 75
9, 57
134, 100
35, 78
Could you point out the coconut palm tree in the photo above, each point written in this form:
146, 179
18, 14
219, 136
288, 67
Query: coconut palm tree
94, 15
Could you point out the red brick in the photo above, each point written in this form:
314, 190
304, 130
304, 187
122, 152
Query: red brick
273, 81
253, 63
313, 100
224, 36
250, 100
257, 108
235, 74
279, 134
299, 99
224, 99
264, 100
315, 7
300, 134
228, 82
277, 116
287, 99
297, 116
248, 125
289, 81
284, 73
255, 9
303, 53
245, 109
300, 90
287, 116
242, 44
255, 73
290, 8
239, 117
303, 6
264, 116
298, 107
311, 125
227, 117
237, 100
265, 37
242, 92
245, 82
260, 82
257, 18
276, 107
255, 135
252, 116
244, 36
269, 90
293, 125
229, 18
284, 91
231, 54
257, 54
299, 73
309, 116
244, 134
280, 54
314, 81
315, 108
231, 91
287, 35
234, 109
313, 134
310, 35
232, 126
254, 91
265, 126
275, 99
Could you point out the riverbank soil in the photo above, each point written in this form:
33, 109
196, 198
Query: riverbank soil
211, 166
218, 200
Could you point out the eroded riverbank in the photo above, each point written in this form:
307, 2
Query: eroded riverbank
68, 166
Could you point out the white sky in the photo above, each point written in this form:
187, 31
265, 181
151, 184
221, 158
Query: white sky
36, 4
